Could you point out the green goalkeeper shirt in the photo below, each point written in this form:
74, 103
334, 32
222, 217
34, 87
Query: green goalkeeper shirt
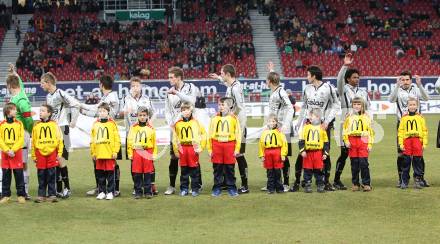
23, 108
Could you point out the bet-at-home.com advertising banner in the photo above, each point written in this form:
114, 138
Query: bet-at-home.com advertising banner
157, 90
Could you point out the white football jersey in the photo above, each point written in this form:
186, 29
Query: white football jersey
187, 93
235, 91
400, 97
130, 107
111, 98
347, 92
61, 103
323, 97
280, 105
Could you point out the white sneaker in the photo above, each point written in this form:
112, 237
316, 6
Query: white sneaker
170, 190
101, 196
286, 188
109, 196
92, 192
264, 188
133, 193
66, 193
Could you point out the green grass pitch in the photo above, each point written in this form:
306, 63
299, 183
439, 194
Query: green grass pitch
385, 215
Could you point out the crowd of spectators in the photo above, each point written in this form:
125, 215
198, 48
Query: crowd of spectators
293, 34
74, 6
5, 20
5, 16
92, 45
407, 29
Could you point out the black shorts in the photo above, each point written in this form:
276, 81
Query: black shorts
243, 144
65, 154
172, 150
66, 132
119, 156
438, 135
289, 149
329, 134
126, 148
399, 151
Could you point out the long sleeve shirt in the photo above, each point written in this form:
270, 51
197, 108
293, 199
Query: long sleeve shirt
110, 98
400, 97
61, 102
323, 97
190, 133
130, 107
358, 125
235, 91
47, 138
24, 112
280, 105
347, 92
105, 141
413, 126
224, 129
313, 137
272, 139
11, 135
187, 93
141, 138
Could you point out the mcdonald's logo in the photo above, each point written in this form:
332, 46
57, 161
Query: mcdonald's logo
187, 130
102, 133
271, 138
46, 130
313, 133
10, 131
356, 123
141, 135
412, 123
223, 123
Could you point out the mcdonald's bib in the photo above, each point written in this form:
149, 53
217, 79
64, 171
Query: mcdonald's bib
46, 138
189, 132
272, 139
413, 126
357, 125
224, 129
314, 137
105, 141
11, 135
141, 137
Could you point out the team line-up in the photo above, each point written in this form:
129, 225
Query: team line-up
49, 142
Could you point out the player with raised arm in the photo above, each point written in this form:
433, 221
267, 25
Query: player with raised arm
321, 95
179, 92
348, 88
15, 87
281, 107
130, 104
403, 90
437, 87
235, 91
61, 102
111, 98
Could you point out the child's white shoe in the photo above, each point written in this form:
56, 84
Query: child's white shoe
101, 196
109, 196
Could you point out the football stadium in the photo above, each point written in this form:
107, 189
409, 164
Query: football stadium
228, 121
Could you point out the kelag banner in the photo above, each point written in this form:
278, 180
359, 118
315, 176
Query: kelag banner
158, 89
154, 14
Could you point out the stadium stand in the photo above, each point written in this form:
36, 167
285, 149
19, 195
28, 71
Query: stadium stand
386, 36
5, 21
81, 48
